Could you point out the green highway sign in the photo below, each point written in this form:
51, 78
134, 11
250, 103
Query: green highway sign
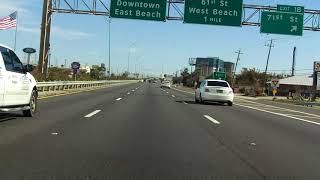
219, 75
154, 10
281, 23
215, 12
290, 9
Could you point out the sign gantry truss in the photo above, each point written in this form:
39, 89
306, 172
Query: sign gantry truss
251, 16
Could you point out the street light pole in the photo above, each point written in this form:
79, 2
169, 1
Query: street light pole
109, 68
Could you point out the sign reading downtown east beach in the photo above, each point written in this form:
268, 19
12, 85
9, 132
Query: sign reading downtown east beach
154, 10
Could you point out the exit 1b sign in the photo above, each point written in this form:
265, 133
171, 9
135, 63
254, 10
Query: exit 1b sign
287, 20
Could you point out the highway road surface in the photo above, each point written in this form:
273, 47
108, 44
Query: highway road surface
142, 132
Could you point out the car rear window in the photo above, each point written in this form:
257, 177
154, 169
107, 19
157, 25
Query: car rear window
217, 83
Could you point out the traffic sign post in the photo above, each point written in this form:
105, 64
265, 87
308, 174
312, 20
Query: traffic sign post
214, 12
275, 83
219, 75
281, 23
154, 10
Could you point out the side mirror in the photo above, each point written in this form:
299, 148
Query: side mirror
28, 68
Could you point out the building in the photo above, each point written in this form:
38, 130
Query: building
207, 66
302, 84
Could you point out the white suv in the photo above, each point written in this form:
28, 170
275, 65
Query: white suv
18, 91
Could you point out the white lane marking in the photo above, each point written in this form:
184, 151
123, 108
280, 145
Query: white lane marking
136, 88
132, 90
211, 119
184, 102
167, 92
279, 108
302, 116
128, 93
279, 114
118, 99
173, 96
92, 114
54, 133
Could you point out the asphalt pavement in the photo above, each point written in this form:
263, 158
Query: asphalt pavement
142, 132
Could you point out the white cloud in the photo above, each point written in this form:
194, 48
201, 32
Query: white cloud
69, 34
9, 6
29, 29
58, 32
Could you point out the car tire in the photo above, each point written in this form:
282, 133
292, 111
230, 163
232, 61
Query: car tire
200, 99
33, 104
196, 100
230, 103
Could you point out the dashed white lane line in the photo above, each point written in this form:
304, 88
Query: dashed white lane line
128, 93
211, 119
92, 114
132, 90
136, 88
279, 114
118, 99
167, 92
173, 96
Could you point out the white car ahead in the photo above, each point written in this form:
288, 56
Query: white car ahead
166, 84
18, 91
214, 91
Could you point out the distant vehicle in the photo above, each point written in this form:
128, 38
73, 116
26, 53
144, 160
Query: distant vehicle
214, 91
18, 91
166, 84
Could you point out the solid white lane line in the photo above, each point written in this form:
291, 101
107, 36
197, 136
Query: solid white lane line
173, 96
118, 99
92, 114
284, 109
279, 114
211, 119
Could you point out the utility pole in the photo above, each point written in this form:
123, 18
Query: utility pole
109, 68
45, 37
235, 68
293, 61
270, 45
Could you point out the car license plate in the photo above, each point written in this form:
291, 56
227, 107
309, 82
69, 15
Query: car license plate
219, 91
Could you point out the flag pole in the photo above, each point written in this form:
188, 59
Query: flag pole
15, 36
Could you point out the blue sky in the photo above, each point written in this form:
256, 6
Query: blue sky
168, 44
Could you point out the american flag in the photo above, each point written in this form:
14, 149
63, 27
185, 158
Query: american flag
9, 22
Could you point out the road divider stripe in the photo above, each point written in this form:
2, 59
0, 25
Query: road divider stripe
118, 99
279, 114
173, 96
132, 90
212, 119
279, 108
128, 93
92, 114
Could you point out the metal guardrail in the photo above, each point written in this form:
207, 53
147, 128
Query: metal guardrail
65, 85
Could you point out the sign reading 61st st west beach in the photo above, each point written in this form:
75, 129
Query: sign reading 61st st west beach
154, 10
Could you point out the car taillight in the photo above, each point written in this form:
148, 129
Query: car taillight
206, 90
